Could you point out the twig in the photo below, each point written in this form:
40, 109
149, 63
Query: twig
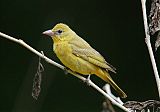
89, 82
147, 40
107, 106
108, 90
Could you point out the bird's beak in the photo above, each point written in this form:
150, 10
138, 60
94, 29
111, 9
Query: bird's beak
49, 33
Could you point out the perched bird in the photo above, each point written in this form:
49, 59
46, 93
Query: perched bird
76, 54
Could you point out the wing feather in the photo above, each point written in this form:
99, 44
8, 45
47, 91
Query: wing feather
82, 49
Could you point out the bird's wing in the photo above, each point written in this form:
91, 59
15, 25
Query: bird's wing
82, 49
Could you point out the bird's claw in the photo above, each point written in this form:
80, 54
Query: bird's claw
66, 70
88, 80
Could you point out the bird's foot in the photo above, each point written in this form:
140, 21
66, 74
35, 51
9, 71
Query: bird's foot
66, 70
88, 80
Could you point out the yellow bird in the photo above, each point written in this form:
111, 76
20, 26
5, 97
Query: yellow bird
76, 54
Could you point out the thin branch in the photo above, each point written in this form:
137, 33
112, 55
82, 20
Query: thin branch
21, 42
107, 88
147, 40
89, 82
107, 106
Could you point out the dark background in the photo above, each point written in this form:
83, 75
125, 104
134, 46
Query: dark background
113, 27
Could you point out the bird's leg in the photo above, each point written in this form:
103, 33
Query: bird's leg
88, 79
66, 70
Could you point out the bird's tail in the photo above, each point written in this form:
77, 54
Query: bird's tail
106, 77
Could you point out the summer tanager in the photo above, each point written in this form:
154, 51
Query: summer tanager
76, 54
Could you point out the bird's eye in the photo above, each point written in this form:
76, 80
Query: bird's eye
59, 31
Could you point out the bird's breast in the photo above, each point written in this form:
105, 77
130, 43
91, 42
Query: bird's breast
64, 53
62, 49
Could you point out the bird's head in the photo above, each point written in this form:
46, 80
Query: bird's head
60, 32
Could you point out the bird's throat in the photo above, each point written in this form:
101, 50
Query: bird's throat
56, 39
